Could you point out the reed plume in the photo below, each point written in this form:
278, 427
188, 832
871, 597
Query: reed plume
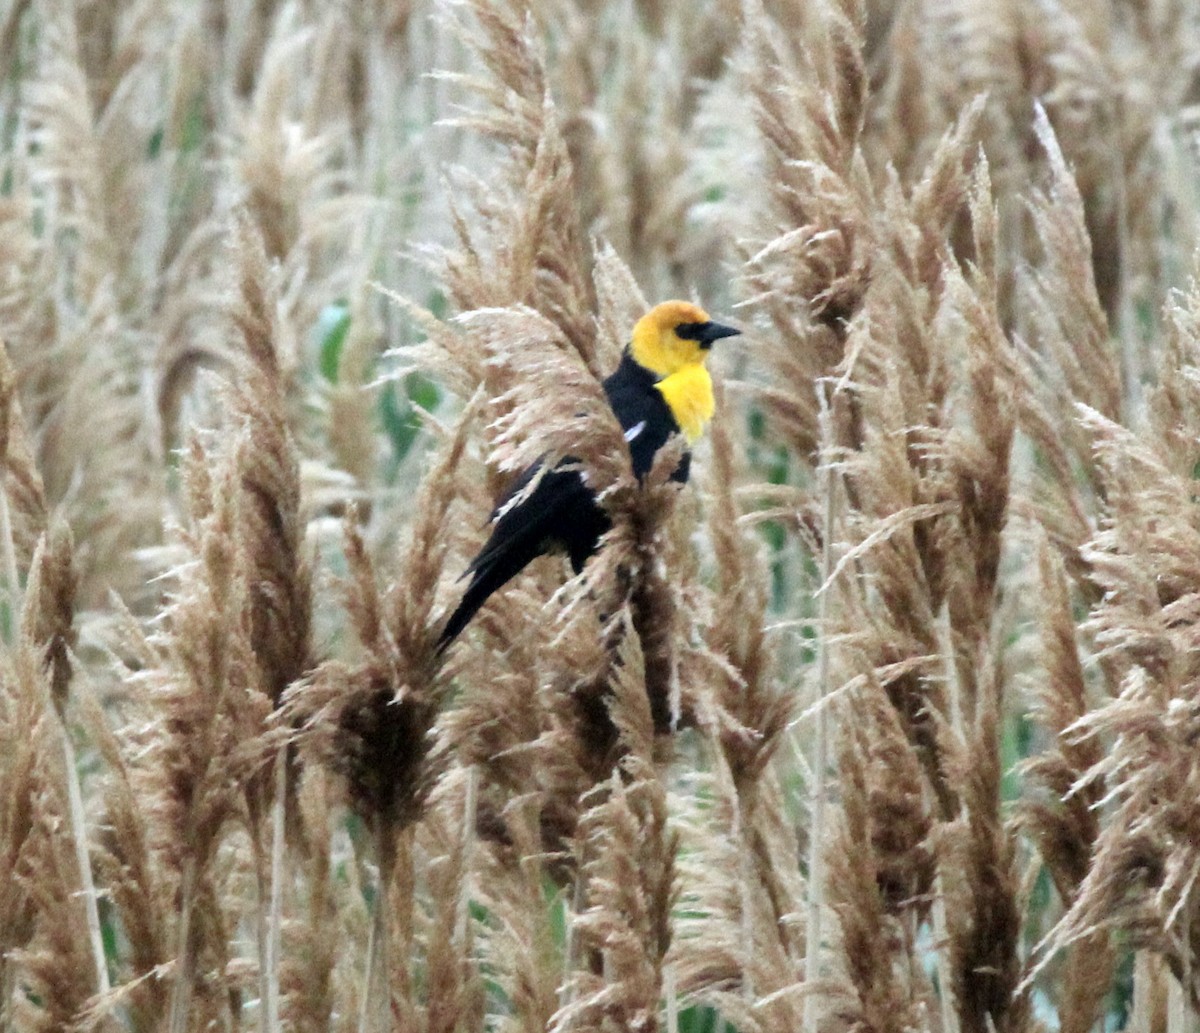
371, 722
1139, 877
882, 722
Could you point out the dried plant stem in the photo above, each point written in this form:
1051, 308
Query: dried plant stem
1139, 1009
953, 688
941, 932
376, 1004
1127, 332
10, 556
571, 951
1178, 1013
820, 747
181, 993
79, 835
1149, 1005
672, 1002
945, 973
745, 881
464, 898
270, 979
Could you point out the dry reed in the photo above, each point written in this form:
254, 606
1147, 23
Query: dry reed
883, 722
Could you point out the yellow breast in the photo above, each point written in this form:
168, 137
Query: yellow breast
689, 393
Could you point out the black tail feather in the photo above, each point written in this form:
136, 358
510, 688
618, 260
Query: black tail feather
495, 571
561, 511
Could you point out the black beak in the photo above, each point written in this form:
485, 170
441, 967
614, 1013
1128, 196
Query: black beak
710, 332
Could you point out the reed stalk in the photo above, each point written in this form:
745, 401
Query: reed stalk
818, 763
185, 961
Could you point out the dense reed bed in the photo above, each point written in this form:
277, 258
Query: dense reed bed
885, 722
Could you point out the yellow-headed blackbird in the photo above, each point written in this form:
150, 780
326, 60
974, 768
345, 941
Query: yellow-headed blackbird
660, 388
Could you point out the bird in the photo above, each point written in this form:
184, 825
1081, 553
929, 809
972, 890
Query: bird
660, 388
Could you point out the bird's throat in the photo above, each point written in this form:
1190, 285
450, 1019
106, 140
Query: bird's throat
689, 395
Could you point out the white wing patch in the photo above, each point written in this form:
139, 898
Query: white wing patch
635, 430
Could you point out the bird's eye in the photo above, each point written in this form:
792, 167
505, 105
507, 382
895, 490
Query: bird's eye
691, 331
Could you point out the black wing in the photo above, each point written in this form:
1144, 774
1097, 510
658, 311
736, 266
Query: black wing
561, 511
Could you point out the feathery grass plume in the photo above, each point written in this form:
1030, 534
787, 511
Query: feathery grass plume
300, 171
270, 531
631, 88
1100, 127
296, 161
1062, 815
927, 487
26, 269
133, 882
894, 524
47, 616
269, 535
879, 987
1069, 358
187, 676
624, 931
509, 726
961, 464
988, 41
928, 370
820, 265
454, 987
1160, 79
813, 263
82, 399
61, 902
899, 820
518, 937
351, 408
522, 243
370, 721
1079, 63
738, 930
891, 759
538, 745
313, 971
118, 200
22, 773
292, 166
24, 496
978, 443
977, 860
47, 630
749, 693
1142, 874
52, 967
47, 613
68, 151
744, 949
1115, 95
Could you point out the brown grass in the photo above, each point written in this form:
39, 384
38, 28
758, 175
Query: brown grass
885, 721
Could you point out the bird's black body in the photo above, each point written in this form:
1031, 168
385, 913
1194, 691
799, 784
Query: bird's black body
562, 511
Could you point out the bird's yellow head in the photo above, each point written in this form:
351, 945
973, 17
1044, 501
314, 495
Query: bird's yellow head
673, 336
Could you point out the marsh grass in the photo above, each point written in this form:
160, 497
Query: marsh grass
884, 722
